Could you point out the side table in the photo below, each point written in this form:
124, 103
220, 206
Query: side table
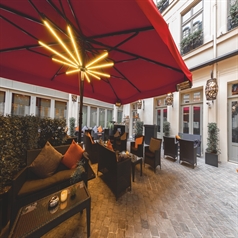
134, 161
36, 219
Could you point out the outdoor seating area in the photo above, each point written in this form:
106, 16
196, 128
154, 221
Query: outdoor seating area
152, 207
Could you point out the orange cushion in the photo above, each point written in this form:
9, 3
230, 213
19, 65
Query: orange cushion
109, 145
123, 137
92, 141
73, 155
117, 134
100, 129
138, 141
178, 137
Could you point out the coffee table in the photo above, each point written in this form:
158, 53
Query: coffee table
36, 219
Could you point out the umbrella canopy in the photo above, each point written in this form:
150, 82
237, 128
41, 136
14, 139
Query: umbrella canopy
146, 60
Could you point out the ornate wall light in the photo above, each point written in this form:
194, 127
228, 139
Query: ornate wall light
140, 103
169, 99
74, 98
211, 89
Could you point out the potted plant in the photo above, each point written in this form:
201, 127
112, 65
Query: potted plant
139, 128
71, 126
234, 14
162, 5
110, 126
212, 151
166, 128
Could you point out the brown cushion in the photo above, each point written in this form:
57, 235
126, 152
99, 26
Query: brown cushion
123, 137
178, 137
100, 129
138, 141
117, 134
73, 155
31, 186
154, 145
46, 162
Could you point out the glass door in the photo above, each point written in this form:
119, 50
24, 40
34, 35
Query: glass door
192, 119
233, 130
161, 118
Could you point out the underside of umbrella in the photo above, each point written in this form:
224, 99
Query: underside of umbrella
146, 60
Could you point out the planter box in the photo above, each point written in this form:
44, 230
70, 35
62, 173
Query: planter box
211, 159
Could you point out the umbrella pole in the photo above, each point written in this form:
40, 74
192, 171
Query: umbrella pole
81, 89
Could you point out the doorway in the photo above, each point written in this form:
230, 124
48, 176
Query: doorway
233, 130
161, 118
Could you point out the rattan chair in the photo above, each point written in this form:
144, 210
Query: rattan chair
153, 153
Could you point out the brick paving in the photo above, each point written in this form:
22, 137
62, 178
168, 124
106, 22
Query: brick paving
177, 201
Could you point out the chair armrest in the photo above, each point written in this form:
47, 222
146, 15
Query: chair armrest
18, 182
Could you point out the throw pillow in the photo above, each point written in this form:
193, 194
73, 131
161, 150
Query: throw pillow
84, 128
154, 145
100, 129
138, 141
95, 129
178, 137
109, 145
46, 162
123, 137
73, 155
92, 141
117, 134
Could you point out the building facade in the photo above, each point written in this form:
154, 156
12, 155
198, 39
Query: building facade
206, 33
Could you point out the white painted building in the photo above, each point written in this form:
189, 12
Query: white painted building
214, 48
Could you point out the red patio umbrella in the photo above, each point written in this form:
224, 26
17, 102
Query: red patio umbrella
146, 60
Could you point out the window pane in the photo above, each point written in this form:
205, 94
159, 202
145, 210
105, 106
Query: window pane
102, 117
197, 97
196, 120
109, 115
234, 122
159, 102
2, 102
186, 98
20, 104
93, 117
85, 116
119, 116
158, 119
197, 7
186, 30
186, 120
60, 109
42, 107
197, 23
186, 16
164, 115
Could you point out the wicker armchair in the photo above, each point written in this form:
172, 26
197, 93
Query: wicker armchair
171, 147
137, 146
153, 153
188, 151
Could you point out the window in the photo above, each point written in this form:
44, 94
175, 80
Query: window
2, 102
232, 14
85, 115
101, 117
109, 115
42, 107
119, 116
161, 114
93, 117
20, 104
192, 35
60, 109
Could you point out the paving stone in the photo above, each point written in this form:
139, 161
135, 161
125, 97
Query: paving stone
176, 201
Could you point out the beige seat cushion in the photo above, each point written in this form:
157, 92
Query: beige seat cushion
154, 145
31, 186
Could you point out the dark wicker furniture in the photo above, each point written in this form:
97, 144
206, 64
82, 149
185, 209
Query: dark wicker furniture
188, 152
139, 151
170, 147
153, 158
91, 149
116, 174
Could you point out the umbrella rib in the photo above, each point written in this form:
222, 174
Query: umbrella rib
137, 30
56, 74
20, 14
18, 27
126, 79
137, 56
124, 41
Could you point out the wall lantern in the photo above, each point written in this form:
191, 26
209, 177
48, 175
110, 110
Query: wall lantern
118, 104
74, 98
211, 89
140, 103
169, 99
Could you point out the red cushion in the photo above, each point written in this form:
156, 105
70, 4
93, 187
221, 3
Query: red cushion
73, 155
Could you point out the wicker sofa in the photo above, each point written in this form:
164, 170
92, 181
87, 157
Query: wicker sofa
27, 187
116, 174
